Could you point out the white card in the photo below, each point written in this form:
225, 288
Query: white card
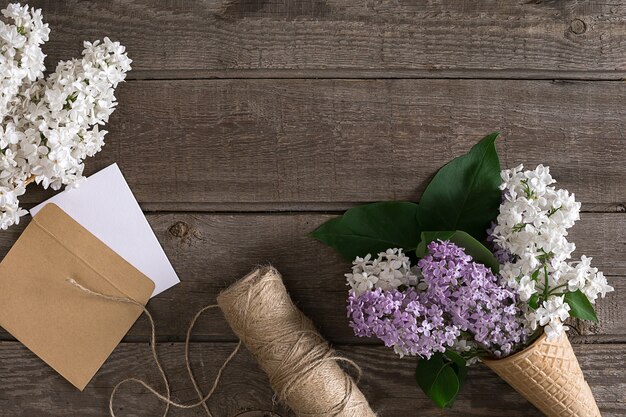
105, 205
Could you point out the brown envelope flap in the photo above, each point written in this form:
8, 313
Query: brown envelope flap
95, 253
72, 331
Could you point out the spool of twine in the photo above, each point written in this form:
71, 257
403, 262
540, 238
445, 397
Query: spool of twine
302, 367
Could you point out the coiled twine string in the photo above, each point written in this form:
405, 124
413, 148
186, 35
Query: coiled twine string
301, 365
153, 347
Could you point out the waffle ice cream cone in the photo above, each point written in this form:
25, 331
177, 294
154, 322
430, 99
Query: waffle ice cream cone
548, 375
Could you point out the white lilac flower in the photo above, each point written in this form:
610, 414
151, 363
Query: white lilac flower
532, 229
555, 309
390, 270
596, 285
554, 329
526, 288
21, 58
551, 315
11, 210
48, 126
582, 276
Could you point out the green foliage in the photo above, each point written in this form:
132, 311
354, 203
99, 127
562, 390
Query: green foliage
464, 194
580, 307
441, 377
372, 228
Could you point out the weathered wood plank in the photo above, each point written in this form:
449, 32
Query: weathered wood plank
30, 388
427, 37
210, 251
267, 144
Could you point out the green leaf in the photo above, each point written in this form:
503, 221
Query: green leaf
580, 307
455, 357
439, 378
464, 194
533, 301
535, 275
472, 247
372, 228
459, 364
427, 237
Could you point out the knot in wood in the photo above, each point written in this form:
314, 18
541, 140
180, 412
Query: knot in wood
179, 229
578, 26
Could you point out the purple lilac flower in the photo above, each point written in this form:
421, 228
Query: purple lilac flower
462, 299
470, 293
401, 319
502, 255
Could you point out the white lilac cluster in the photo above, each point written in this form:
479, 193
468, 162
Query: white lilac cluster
390, 270
48, 126
532, 227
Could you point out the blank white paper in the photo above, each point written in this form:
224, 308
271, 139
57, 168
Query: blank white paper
105, 205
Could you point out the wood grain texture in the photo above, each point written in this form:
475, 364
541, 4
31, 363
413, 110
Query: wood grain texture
216, 38
36, 390
302, 144
245, 122
210, 251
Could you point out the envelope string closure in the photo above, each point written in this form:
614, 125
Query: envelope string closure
83, 260
153, 345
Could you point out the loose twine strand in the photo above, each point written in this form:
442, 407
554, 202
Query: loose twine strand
301, 365
153, 347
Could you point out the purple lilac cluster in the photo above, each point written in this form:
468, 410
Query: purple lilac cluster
462, 300
402, 319
502, 255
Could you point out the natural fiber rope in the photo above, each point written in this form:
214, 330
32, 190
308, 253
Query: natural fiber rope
164, 398
301, 365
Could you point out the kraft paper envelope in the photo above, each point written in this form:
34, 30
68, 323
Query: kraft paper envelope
72, 331
105, 205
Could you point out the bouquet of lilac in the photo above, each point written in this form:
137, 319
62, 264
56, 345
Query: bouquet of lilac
480, 269
455, 304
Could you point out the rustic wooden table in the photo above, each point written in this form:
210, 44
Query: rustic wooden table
245, 124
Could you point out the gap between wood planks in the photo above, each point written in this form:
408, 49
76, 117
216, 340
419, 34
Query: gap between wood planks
138, 339
228, 74
313, 207
304, 207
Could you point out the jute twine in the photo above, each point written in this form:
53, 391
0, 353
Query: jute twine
301, 366
166, 398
